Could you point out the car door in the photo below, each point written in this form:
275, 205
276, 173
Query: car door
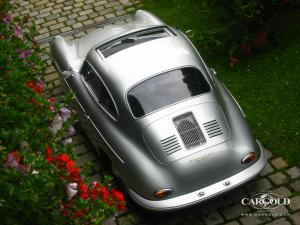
96, 108
74, 84
99, 104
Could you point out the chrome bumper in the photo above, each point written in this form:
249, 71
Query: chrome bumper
204, 193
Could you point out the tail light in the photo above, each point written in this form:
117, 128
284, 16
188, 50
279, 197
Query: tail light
250, 157
162, 192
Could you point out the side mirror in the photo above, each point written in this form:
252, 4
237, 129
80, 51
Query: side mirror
67, 74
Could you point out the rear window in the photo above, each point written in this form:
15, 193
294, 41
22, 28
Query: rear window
166, 89
131, 40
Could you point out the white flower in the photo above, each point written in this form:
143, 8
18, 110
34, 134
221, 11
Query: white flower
56, 124
66, 141
34, 172
71, 190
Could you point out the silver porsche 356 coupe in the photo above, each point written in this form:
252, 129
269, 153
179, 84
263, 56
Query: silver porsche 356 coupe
173, 132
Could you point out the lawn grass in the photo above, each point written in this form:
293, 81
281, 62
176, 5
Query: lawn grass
266, 84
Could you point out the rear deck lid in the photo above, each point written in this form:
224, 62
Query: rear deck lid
186, 132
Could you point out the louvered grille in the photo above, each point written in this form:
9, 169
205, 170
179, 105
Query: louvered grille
189, 130
170, 145
213, 128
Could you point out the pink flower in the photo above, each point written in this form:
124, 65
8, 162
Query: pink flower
7, 19
18, 31
56, 124
71, 131
13, 161
65, 114
23, 53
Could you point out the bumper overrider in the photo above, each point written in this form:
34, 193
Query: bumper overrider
207, 192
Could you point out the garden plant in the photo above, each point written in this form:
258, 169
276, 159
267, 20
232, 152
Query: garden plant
243, 26
40, 181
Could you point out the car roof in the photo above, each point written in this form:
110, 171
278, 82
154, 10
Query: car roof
128, 67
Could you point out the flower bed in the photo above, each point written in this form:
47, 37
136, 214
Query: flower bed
40, 183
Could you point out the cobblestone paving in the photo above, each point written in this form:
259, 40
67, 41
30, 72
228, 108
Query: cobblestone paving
54, 16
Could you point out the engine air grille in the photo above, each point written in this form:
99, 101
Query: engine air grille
170, 145
213, 128
189, 130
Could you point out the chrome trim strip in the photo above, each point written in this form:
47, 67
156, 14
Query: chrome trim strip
235, 101
209, 191
105, 141
65, 81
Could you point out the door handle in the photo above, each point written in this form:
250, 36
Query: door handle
67, 74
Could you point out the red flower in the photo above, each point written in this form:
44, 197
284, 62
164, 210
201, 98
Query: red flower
48, 154
65, 212
118, 197
35, 86
51, 108
233, 61
72, 170
93, 194
63, 209
51, 100
96, 185
83, 190
104, 194
62, 158
79, 213
39, 88
16, 155
63, 162
84, 195
245, 48
70, 165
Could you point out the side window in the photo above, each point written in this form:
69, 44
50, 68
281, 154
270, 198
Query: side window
98, 89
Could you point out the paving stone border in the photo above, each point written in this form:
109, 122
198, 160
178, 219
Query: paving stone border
55, 16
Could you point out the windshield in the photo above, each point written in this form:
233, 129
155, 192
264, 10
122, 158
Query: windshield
166, 89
